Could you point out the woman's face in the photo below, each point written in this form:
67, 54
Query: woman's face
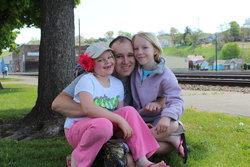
144, 51
104, 64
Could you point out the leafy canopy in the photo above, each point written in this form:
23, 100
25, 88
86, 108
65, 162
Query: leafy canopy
231, 50
235, 30
16, 14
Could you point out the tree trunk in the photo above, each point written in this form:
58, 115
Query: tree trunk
56, 61
1, 86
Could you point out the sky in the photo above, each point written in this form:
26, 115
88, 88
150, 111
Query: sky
100, 16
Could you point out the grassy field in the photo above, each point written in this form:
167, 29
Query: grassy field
215, 140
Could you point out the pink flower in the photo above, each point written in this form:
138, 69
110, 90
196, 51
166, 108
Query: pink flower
86, 62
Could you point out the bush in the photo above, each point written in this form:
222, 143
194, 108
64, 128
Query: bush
231, 50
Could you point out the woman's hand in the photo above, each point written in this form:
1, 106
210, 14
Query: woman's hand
163, 125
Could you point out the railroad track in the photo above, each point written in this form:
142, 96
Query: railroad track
215, 78
227, 78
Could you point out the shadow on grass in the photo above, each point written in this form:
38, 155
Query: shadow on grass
13, 114
34, 153
199, 150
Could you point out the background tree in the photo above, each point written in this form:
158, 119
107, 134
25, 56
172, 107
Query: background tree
126, 34
173, 35
109, 35
227, 37
101, 40
231, 50
179, 39
91, 40
34, 41
235, 30
247, 22
187, 37
246, 29
195, 35
12, 18
56, 60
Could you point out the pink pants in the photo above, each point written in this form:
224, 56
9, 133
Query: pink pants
87, 137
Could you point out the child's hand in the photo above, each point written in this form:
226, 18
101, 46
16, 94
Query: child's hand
152, 107
163, 125
126, 129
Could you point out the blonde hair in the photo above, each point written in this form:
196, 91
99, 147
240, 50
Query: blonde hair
151, 38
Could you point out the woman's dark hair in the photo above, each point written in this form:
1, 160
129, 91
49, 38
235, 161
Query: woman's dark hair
120, 39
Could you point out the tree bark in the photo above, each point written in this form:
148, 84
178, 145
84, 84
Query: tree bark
1, 86
56, 61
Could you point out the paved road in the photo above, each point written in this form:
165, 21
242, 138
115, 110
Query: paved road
30, 80
232, 103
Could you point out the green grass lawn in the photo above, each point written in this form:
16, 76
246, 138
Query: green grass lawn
216, 140
16, 100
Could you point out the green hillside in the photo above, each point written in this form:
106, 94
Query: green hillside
206, 50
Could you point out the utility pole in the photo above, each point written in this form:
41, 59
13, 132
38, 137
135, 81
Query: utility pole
243, 40
243, 57
216, 52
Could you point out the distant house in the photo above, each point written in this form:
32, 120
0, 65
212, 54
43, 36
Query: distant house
164, 43
206, 39
27, 59
234, 64
195, 58
220, 65
194, 61
204, 66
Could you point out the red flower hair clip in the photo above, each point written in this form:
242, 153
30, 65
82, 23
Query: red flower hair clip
86, 62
